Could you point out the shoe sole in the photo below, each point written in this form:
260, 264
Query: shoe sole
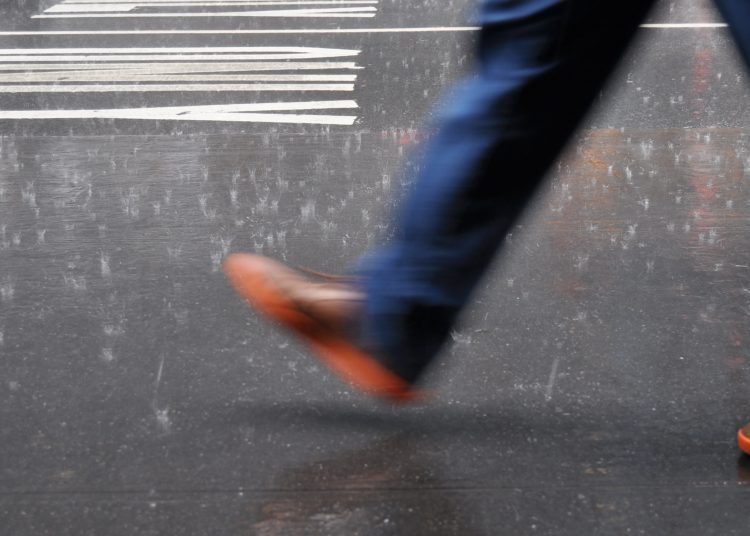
249, 275
743, 441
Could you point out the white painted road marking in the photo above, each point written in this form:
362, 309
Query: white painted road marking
218, 53
256, 107
219, 2
337, 12
182, 67
301, 31
216, 2
130, 76
248, 113
105, 67
166, 8
686, 25
114, 7
127, 57
188, 69
150, 88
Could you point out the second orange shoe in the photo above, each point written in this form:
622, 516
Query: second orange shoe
743, 438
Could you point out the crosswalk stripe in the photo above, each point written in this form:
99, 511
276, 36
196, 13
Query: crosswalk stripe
248, 53
127, 76
113, 70
344, 12
150, 88
247, 113
187, 69
235, 31
216, 2
125, 57
182, 67
100, 7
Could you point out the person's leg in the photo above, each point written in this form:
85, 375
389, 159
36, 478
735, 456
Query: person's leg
541, 63
737, 14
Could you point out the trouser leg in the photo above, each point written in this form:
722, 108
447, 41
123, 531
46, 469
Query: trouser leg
540, 64
737, 14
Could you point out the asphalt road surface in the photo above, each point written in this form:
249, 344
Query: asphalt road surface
594, 387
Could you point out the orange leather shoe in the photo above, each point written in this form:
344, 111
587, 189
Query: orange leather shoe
323, 314
743, 438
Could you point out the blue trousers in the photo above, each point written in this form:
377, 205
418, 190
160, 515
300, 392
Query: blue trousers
540, 65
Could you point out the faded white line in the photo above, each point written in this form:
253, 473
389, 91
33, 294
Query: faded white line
143, 88
425, 29
686, 25
161, 415
245, 32
552, 379
158, 377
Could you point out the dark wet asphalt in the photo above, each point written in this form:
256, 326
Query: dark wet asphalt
594, 387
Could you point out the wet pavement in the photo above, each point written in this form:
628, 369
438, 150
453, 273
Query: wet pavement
594, 387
